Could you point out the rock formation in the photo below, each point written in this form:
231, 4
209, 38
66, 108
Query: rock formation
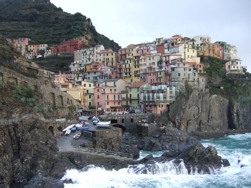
203, 115
180, 147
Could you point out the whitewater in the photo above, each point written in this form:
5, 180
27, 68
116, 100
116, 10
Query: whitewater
235, 148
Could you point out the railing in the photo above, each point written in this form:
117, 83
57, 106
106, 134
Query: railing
15, 120
125, 114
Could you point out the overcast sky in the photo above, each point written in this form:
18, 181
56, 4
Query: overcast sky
136, 21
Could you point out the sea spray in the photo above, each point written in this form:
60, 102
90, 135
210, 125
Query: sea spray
235, 148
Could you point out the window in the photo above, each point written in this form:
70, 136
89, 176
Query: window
84, 85
114, 96
98, 90
87, 91
90, 96
90, 85
110, 90
97, 96
90, 103
114, 83
107, 103
178, 74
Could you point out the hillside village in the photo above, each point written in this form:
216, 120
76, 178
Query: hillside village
144, 77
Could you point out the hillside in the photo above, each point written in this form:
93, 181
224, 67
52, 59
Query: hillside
43, 22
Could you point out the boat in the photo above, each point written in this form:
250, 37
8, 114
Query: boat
73, 129
67, 130
103, 124
95, 121
77, 136
83, 118
83, 128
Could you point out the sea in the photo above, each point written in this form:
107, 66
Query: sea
235, 148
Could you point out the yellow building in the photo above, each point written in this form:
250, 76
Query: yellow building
89, 92
129, 64
110, 58
87, 67
78, 93
135, 69
189, 50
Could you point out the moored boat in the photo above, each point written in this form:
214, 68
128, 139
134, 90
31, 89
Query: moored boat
104, 124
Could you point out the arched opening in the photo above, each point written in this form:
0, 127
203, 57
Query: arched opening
1, 77
120, 126
51, 130
23, 83
59, 100
113, 120
60, 128
51, 99
12, 80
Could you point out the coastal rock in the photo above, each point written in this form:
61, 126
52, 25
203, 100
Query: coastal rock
29, 154
180, 147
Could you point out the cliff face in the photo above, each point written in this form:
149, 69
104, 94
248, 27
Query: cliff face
27, 150
202, 113
29, 156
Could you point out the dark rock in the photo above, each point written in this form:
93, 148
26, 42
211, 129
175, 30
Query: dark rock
131, 150
225, 163
41, 182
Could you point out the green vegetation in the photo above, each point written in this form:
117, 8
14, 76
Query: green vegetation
23, 96
43, 22
55, 63
216, 68
234, 89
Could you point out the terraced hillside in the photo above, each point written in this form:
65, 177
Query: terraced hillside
43, 22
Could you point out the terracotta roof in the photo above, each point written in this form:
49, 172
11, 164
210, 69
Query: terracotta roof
137, 84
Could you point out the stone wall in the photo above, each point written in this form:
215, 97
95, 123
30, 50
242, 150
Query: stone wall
128, 121
51, 97
109, 139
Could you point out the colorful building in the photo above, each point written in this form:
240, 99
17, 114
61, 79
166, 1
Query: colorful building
69, 46
234, 66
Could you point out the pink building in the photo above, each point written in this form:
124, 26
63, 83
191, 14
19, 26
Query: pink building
221, 51
142, 50
107, 95
234, 66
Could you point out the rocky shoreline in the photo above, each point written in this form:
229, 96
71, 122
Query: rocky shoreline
30, 157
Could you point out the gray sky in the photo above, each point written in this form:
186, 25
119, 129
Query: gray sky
136, 21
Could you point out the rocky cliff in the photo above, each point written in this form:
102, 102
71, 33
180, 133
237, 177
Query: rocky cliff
200, 113
29, 156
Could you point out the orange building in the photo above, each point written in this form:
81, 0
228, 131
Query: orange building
209, 49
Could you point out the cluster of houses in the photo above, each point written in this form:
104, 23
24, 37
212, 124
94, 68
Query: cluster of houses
31, 51
146, 76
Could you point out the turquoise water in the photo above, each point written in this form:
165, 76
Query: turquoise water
234, 148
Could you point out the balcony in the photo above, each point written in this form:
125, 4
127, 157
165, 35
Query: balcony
127, 75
